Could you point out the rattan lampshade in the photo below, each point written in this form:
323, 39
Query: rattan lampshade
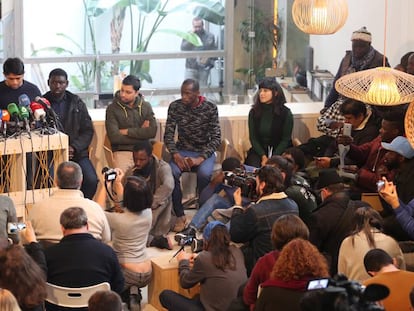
380, 86
409, 124
320, 17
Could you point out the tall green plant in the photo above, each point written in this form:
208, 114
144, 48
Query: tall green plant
259, 47
209, 10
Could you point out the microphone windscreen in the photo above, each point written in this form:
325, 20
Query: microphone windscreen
39, 114
43, 101
24, 100
24, 112
13, 110
5, 116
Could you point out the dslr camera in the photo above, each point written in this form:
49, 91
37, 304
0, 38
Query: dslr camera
246, 181
14, 227
109, 173
196, 244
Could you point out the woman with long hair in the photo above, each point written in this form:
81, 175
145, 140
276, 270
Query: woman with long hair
219, 269
284, 229
298, 263
130, 230
21, 275
270, 123
367, 234
7, 301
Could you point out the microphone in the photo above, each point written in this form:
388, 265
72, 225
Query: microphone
24, 100
14, 111
5, 117
14, 115
24, 114
48, 108
39, 113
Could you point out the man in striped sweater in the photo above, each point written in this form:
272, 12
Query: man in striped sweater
196, 121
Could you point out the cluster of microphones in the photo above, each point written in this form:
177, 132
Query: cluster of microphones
27, 116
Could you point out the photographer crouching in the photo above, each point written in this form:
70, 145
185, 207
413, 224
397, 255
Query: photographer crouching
218, 195
252, 225
157, 174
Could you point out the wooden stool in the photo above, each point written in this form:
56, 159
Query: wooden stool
165, 276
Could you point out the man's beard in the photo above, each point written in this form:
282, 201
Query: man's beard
143, 172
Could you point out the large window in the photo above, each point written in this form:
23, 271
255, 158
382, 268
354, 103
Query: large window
98, 42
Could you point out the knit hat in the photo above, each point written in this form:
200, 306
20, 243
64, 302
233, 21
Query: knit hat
362, 34
209, 227
400, 145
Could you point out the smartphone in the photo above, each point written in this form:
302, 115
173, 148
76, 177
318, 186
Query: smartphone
317, 284
347, 129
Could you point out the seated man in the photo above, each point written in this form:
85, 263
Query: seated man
129, 118
217, 195
80, 260
400, 157
331, 222
45, 213
158, 174
252, 225
196, 120
369, 157
383, 270
76, 123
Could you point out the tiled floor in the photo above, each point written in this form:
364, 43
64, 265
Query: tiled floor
155, 252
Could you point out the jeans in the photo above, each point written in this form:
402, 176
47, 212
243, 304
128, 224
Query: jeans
173, 301
90, 180
204, 171
215, 202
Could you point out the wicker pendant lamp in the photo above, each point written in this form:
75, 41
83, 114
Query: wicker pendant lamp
320, 17
409, 124
381, 86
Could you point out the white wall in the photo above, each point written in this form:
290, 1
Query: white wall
329, 50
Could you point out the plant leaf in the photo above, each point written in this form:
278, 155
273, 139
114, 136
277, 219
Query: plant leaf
189, 36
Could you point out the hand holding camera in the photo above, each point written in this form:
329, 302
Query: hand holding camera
388, 191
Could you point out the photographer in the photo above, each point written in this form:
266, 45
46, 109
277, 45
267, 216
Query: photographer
161, 182
217, 195
252, 225
219, 269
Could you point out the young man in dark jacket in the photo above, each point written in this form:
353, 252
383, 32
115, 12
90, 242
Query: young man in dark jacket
73, 120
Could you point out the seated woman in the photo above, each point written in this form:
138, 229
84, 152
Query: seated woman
270, 123
284, 229
130, 231
22, 276
219, 269
367, 234
298, 263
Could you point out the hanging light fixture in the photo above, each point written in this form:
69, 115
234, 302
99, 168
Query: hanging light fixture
320, 17
382, 86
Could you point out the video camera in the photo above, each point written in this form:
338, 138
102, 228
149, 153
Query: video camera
245, 180
109, 173
339, 293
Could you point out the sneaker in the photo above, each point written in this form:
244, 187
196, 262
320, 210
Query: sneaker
187, 234
161, 242
180, 224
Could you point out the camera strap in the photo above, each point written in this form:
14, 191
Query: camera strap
111, 193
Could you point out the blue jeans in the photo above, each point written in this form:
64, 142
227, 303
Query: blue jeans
90, 180
204, 171
173, 301
215, 202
